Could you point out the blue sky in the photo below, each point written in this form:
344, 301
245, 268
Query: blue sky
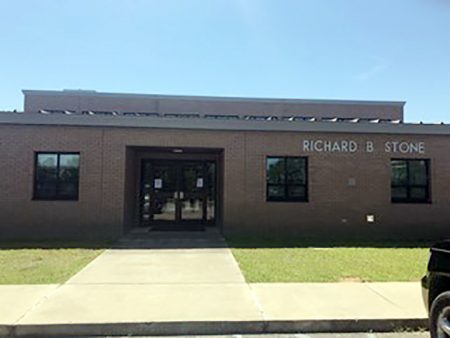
336, 49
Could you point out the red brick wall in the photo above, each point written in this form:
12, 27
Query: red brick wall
335, 209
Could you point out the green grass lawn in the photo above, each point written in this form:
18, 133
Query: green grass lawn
264, 263
42, 265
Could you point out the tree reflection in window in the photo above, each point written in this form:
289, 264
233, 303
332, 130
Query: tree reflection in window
286, 179
410, 181
56, 176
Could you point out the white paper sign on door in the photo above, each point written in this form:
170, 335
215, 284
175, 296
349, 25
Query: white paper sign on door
157, 184
200, 182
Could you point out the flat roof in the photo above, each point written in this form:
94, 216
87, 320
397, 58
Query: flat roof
201, 123
67, 92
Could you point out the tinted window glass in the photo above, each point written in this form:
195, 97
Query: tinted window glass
410, 181
45, 161
275, 170
399, 193
399, 172
296, 170
418, 193
297, 192
56, 176
69, 161
286, 179
275, 191
418, 173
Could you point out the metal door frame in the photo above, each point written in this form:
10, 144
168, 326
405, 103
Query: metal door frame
178, 164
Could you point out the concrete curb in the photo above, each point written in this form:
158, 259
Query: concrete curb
212, 327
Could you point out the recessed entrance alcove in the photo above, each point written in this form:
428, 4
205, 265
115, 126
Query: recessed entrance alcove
173, 188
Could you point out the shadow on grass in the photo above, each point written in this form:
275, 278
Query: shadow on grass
191, 242
261, 242
56, 245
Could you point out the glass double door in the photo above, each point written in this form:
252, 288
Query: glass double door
177, 192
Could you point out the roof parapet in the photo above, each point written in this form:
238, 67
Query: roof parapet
81, 100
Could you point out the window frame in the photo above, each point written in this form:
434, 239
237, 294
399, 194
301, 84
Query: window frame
58, 154
286, 184
408, 186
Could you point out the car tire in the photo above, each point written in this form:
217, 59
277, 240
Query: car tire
440, 316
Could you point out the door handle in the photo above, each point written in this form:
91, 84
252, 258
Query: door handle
178, 195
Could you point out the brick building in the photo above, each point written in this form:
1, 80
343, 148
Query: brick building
83, 164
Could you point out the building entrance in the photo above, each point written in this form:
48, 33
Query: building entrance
178, 194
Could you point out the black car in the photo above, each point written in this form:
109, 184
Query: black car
436, 289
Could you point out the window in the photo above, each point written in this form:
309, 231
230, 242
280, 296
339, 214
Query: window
286, 179
56, 176
410, 181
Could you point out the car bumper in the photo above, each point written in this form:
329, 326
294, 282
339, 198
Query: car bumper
425, 291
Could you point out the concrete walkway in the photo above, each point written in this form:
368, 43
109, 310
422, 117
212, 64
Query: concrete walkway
190, 283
